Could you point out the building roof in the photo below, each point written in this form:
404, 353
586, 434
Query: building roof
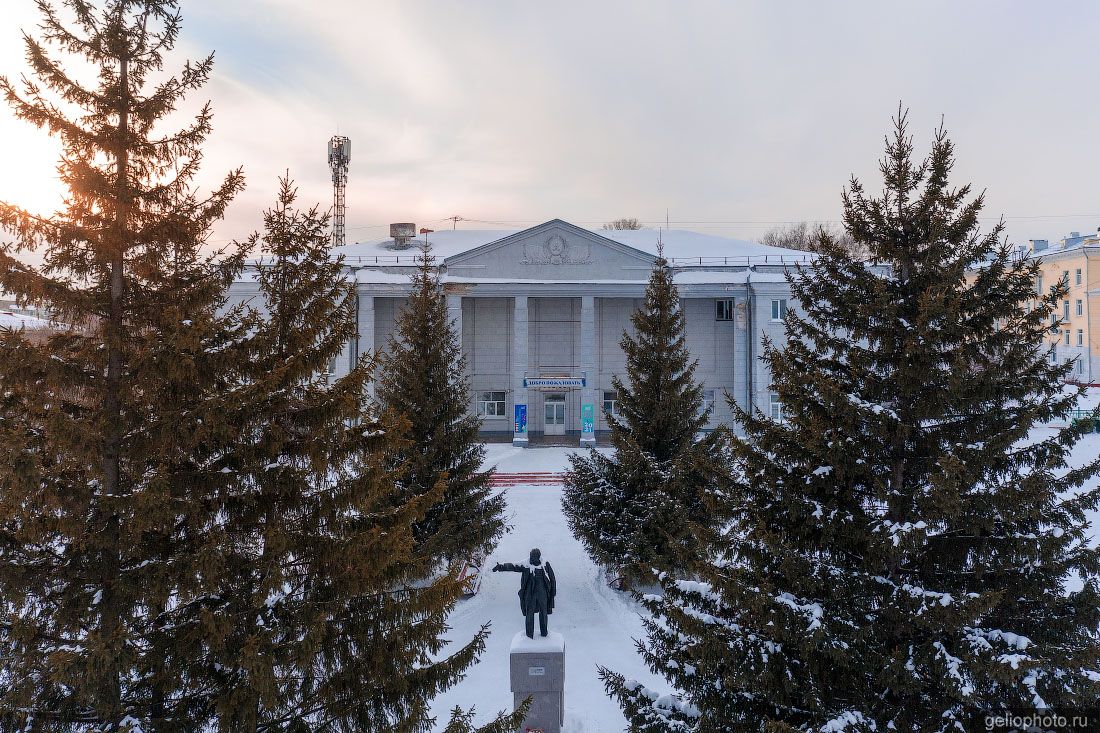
679, 245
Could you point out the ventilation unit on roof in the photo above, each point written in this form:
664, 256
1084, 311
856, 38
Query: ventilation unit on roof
402, 234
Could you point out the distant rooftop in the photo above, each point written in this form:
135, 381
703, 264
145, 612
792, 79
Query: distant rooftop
1070, 241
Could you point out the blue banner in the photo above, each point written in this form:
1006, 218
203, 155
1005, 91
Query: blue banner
588, 422
560, 382
521, 419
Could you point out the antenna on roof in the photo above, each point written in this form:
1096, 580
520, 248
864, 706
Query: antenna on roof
339, 158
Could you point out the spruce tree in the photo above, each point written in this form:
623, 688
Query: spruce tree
324, 623
903, 538
634, 509
112, 429
422, 376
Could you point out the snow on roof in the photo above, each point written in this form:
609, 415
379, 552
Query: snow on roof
688, 277
682, 243
678, 244
8, 319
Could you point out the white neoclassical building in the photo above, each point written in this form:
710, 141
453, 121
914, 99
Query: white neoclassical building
541, 312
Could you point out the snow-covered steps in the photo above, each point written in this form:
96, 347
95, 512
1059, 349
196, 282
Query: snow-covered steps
531, 478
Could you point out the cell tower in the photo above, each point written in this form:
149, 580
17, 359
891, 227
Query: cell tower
339, 157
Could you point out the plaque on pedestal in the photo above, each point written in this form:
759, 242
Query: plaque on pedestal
538, 671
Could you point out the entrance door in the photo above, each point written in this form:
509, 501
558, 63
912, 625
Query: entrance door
555, 414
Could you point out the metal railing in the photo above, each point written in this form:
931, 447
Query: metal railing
734, 261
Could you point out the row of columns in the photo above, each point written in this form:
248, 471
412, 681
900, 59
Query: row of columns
521, 361
521, 364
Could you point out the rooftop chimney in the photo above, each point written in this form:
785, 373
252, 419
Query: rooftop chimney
402, 234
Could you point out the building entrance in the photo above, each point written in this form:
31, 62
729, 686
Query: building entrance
554, 407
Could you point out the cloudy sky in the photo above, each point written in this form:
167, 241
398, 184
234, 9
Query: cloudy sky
729, 116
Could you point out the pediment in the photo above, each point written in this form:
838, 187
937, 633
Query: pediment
556, 250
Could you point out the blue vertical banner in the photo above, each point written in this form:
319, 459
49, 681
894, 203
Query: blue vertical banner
588, 422
521, 419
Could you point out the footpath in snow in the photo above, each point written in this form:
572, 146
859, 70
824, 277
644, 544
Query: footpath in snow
599, 624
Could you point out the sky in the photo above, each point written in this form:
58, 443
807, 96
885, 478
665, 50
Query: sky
723, 117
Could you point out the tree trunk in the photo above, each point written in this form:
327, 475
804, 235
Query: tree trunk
111, 615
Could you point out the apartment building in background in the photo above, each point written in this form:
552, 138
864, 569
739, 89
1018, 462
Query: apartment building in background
1075, 324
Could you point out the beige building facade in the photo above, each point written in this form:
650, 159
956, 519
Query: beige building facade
1075, 324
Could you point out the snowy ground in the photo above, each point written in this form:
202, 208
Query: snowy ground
599, 624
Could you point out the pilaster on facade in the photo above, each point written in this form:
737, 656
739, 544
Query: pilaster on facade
454, 317
588, 370
520, 348
364, 341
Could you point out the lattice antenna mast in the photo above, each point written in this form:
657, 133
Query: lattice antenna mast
339, 158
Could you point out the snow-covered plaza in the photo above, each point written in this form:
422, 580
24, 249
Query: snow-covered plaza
599, 624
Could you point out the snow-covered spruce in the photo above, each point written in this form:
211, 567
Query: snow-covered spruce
422, 378
900, 551
644, 505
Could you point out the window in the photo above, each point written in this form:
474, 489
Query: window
775, 407
1065, 276
1053, 319
1077, 277
1067, 337
1080, 307
1080, 337
708, 401
1053, 353
723, 310
779, 309
1080, 364
1065, 310
611, 401
491, 404
1039, 285
331, 368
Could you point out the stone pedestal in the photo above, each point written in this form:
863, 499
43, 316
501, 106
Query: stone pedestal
538, 671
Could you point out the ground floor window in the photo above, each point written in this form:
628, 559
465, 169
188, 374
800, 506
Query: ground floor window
611, 403
331, 368
708, 401
491, 404
775, 407
779, 309
723, 310
1080, 337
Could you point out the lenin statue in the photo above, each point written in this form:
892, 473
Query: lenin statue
537, 589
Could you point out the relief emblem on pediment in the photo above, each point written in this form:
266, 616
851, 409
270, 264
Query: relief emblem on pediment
555, 250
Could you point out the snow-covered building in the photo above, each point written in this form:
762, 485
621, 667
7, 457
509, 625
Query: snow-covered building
541, 312
1075, 326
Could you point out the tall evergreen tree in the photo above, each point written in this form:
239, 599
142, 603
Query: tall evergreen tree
110, 429
634, 509
422, 376
903, 538
324, 623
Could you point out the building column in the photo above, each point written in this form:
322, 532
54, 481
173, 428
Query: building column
364, 319
454, 315
588, 371
520, 413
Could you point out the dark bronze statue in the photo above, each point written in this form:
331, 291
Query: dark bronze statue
537, 589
